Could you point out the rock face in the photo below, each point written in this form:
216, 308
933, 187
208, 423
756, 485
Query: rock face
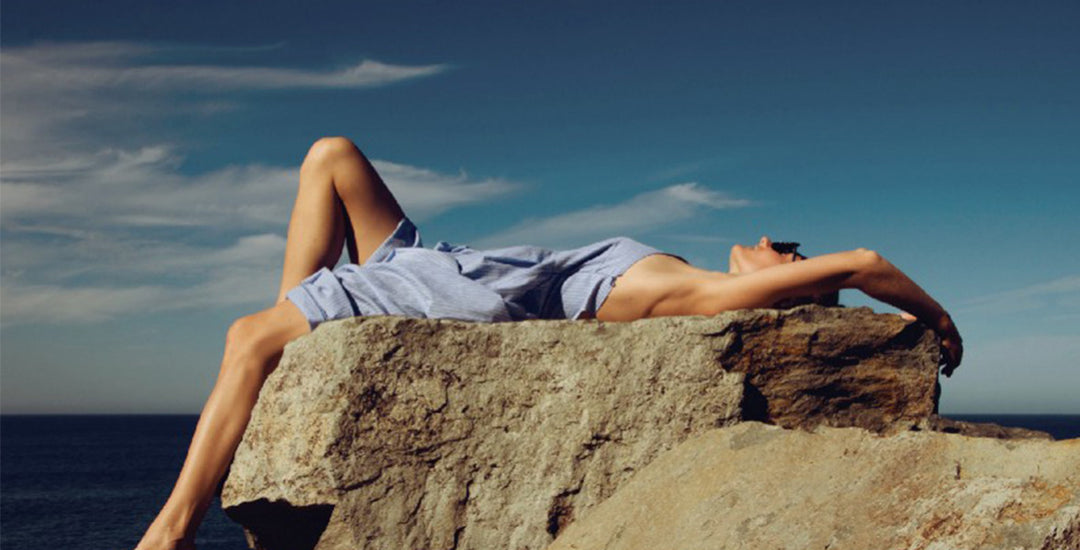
754, 486
832, 366
401, 433
397, 433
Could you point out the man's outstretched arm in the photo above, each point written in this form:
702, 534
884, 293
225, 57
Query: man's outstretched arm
861, 269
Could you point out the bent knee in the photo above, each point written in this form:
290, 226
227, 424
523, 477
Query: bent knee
249, 341
327, 149
242, 337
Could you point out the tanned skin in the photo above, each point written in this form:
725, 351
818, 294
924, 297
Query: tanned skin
343, 203
760, 277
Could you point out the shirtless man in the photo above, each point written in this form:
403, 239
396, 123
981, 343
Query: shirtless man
342, 202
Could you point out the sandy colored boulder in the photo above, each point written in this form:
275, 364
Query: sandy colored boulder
388, 432
405, 433
754, 486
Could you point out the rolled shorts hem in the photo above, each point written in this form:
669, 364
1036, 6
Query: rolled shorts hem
332, 303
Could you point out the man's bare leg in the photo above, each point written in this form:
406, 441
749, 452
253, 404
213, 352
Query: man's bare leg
253, 346
341, 199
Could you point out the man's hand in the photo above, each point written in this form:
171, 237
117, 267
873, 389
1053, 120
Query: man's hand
952, 346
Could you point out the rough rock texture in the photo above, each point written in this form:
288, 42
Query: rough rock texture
402, 433
833, 366
978, 429
755, 486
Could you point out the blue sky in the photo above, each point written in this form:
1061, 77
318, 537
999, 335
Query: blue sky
149, 152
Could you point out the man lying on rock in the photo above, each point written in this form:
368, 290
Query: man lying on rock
342, 202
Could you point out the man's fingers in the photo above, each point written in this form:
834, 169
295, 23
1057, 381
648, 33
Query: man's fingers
951, 354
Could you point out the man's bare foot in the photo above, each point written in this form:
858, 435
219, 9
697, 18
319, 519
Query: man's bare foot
157, 540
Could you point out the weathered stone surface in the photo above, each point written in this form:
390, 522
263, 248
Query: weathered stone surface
403, 433
979, 429
429, 434
755, 486
833, 366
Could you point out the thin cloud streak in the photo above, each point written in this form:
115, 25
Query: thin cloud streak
636, 215
119, 66
424, 193
208, 78
144, 188
52, 92
243, 273
1064, 291
58, 304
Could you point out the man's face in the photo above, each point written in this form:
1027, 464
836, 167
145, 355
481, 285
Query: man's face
747, 259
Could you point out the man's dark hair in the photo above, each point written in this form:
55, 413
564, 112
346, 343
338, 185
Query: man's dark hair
829, 299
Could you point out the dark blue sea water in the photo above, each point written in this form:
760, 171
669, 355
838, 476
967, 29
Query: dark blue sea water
95, 482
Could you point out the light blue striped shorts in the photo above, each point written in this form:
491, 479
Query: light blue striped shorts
456, 282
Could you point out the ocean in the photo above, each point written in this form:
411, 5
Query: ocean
95, 482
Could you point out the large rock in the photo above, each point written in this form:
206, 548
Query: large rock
401, 433
754, 486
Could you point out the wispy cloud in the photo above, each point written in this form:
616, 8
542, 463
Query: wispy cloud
94, 237
95, 227
240, 273
52, 303
144, 188
636, 215
131, 67
51, 89
1062, 292
425, 192
128, 65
